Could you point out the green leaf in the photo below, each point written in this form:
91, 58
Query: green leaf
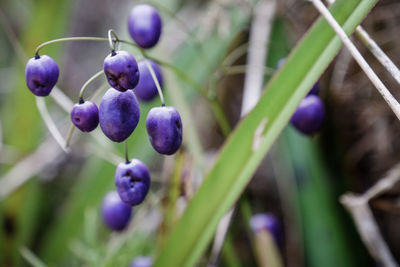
238, 161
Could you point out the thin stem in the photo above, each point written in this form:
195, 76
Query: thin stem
235, 54
51, 126
69, 136
378, 53
88, 82
127, 161
153, 75
112, 41
68, 39
387, 96
84, 38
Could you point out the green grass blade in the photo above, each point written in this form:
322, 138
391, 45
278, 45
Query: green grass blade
237, 160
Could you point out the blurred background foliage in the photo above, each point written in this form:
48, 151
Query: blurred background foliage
55, 213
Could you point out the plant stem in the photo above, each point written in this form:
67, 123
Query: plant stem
387, 96
153, 75
127, 161
69, 136
84, 38
87, 83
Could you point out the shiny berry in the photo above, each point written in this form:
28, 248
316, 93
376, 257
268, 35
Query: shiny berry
164, 127
85, 116
132, 180
121, 70
144, 25
309, 115
142, 261
118, 114
267, 222
146, 89
116, 214
41, 74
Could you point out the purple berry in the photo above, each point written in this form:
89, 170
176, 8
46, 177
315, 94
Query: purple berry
267, 222
121, 70
142, 261
41, 74
116, 214
164, 127
309, 115
118, 114
85, 116
144, 25
132, 180
146, 89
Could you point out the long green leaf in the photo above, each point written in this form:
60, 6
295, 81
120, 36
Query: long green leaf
238, 160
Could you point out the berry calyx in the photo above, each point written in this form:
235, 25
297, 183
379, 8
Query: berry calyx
164, 127
146, 89
119, 114
85, 116
145, 25
41, 75
132, 180
121, 70
116, 214
309, 115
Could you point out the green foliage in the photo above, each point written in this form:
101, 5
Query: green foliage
251, 140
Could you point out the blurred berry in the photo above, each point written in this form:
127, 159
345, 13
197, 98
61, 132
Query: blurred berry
309, 115
145, 25
267, 222
142, 261
116, 214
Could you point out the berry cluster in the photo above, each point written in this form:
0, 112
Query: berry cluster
309, 115
118, 113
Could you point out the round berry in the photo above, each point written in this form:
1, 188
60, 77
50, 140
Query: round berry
267, 222
41, 74
116, 214
144, 25
121, 70
118, 114
132, 180
146, 89
85, 116
164, 127
309, 115
142, 261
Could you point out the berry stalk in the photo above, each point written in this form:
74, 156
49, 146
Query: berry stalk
153, 75
87, 83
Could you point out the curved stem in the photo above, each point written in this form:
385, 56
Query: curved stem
67, 39
69, 136
127, 161
83, 38
113, 41
87, 83
153, 75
